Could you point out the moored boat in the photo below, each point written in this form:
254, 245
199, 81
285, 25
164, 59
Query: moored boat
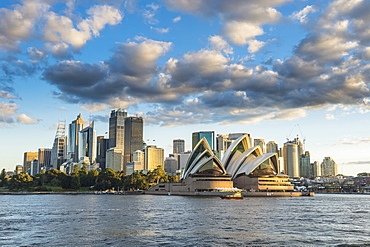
236, 195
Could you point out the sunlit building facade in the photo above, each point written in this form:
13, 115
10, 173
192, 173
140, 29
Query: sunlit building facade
73, 134
329, 167
28, 157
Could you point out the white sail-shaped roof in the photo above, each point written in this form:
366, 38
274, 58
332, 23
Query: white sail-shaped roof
236, 149
202, 157
248, 167
243, 159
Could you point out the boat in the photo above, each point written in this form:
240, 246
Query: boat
236, 195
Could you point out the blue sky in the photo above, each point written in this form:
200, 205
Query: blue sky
261, 67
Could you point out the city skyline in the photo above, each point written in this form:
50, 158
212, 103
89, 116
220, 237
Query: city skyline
255, 67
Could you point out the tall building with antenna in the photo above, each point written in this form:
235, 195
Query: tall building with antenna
59, 149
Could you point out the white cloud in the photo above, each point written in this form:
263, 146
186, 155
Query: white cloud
160, 30
176, 19
255, 45
24, 119
329, 116
60, 29
6, 95
219, 44
241, 33
8, 108
302, 15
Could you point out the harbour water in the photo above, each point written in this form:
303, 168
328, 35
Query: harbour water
148, 220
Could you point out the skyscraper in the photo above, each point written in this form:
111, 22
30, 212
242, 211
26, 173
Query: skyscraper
101, 152
114, 159
59, 149
272, 147
178, 146
261, 143
44, 159
305, 165
197, 136
133, 137
329, 167
154, 157
27, 159
73, 134
87, 144
291, 159
117, 128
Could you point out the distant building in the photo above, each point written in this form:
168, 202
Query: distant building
305, 165
101, 152
261, 143
291, 159
316, 169
35, 168
178, 146
114, 159
329, 167
134, 166
197, 136
59, 149
272, 147
133, 137
87, 144
117, 128
154, 157
73, 134
27, 159
18, 169
44, 159
170, 166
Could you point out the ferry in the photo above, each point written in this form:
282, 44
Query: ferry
236, 195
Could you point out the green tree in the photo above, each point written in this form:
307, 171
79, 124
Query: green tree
157, 175
89, 179
20, 181
2, 178
136, 181
107, 179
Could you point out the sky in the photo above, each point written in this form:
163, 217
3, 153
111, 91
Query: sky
276, 69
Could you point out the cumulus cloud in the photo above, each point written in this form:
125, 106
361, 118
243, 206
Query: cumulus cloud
128, 73
61, 31
24, 119
18, 24
243, 20
302, 15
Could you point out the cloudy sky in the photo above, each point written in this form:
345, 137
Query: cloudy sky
272, 68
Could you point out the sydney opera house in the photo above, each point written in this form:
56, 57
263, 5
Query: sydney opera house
243, 167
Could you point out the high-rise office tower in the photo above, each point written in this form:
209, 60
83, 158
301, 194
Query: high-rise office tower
114, 159
73, 134
117, 128
101, 152
197, 136
154, 157
178, 146
170, 166
133, 137
316, 169
44, 159
59, 149
305, 165
87, 144
27, 159
261, 143
272, 147
291, 159
329, 167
